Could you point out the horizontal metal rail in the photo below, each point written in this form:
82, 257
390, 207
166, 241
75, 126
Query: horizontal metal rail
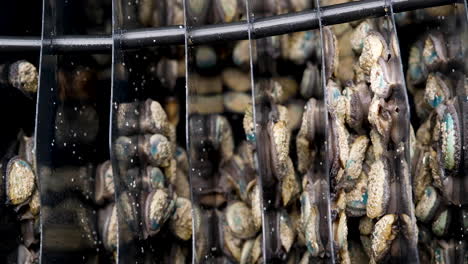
262, 27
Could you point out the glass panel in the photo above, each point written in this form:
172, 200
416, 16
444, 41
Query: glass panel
290, 129
148, 139
72, 135
368, 111
19, 199
434, 55
227, 217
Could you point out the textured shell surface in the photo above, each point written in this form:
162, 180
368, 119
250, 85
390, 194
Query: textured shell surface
159, 207
356, 199
181, 220
356, 157
359, 35
378, 194
341, 233
35, 203
159, 150
23, 75
450, 139
381, 79
374, 47
158, 117
311, 230
383, 235
240, 220
426, 207
20, 181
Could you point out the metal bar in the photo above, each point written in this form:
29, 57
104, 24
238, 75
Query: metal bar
263, 27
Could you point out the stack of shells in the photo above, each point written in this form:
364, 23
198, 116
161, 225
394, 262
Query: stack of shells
223, 175
363, 120
153, 171
437, 85
18, 181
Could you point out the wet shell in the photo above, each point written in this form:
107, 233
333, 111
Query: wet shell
129, 213
356, 157
378, 189
159, 206
331, 52
246, 254
343, 142
434, 51
108, 227
441, 223
366, 225
104, 182
427, 206
181, 185
310, 221
409, 229
20, 181
181, 220
341, 233
382, 77
232, 245
422, 175
156, 149
383, 236
248, 123
290, 186
356, 199
295, 111
357, 107
287, 232
281, 137
380, 116
449, 144
127, 118
417, 71
255, 196
171, 171
153, 118
240, 220
374, 47
23, 75
222, 132
125, 149
35, 203
359, 35
436, 91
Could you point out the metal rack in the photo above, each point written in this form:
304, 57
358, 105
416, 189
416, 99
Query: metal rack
261, 28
